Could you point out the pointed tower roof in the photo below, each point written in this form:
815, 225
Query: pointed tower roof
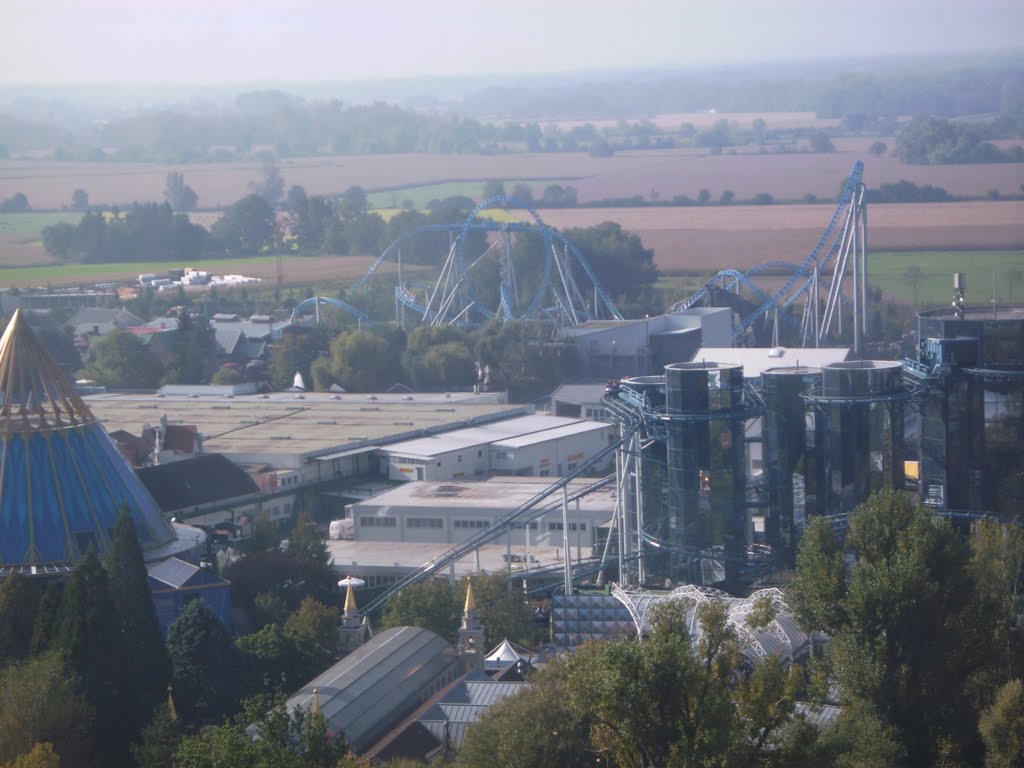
171, 709
63, 482
350, 599
34, 393
316, 701
470, 600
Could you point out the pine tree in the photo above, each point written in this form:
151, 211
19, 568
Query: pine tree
19, 601
160, 740
143, 658
205, 664
87, 632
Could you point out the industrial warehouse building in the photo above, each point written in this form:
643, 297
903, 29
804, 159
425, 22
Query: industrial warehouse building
449, 512
535, 446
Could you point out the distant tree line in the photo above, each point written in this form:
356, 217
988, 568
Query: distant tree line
292, 126
935, 141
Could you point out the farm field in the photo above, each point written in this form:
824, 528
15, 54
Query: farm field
934, 284
653, 173
298, 270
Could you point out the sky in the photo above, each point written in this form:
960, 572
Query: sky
240, 41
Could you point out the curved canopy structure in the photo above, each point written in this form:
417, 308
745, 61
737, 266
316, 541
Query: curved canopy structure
782, 637
63, 482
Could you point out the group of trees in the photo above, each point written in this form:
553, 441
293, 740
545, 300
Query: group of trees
85, 671
145, 232
122, 359
518, 355
925, 651
936, 141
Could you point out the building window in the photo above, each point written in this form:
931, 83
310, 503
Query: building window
469, 524
573, 526
435, 523
555, 527
501, 456
460, 458
378, 522
545, 472
520, 526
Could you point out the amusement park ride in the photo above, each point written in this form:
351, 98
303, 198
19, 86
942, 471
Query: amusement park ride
807, 308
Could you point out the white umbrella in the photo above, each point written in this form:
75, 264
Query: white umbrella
355, 581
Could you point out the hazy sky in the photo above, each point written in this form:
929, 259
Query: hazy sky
230, 41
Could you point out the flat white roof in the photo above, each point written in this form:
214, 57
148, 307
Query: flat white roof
756, 360
504, 493
470, 437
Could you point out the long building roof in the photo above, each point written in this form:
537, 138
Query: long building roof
538, 425
292, 423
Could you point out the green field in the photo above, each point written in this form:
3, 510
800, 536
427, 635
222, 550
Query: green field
30, 225
892, 272
63, 274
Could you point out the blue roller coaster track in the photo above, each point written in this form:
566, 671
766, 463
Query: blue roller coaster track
826, 256
565, 267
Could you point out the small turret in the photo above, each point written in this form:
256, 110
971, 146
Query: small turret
471, 633
352, 629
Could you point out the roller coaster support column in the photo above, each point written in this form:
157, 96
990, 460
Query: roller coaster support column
638, 463
622, 481
857, 308
865, 319
566, 548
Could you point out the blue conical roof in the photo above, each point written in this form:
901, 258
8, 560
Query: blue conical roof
63, 482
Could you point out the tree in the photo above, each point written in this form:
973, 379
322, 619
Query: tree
912, 276
80, 200
141, 653
87, 632
204, 662
273, 661
430, 604
16, 203
19, 601
354, 203
284, 739
59, 240
121, 360
704, 196
41, 756
617, 256
439, 358
820, 142
314, 630
492, 188
194, 356
225, 376
727, 197
1002, 728
271, 184
178, 194
503, 610
247, 227
160, 740
907, 639
878, 148
38, 703
363, 361
599, 147
671, 700
295, 353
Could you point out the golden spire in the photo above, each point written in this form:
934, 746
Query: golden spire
470, 601
35, 392
316, 701
170, 703
350, 599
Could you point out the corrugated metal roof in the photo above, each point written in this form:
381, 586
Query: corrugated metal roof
461, 439
369, 691
579, 428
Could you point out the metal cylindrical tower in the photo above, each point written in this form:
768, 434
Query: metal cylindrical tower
707, 515
790, 468
858, 417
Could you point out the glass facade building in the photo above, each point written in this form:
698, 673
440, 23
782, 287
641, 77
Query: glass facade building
791, 458
972, 413
857, 420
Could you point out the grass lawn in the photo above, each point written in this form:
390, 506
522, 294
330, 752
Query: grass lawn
892, 272
62, 274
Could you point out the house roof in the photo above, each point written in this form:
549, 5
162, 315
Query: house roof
196, 480
180, 574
